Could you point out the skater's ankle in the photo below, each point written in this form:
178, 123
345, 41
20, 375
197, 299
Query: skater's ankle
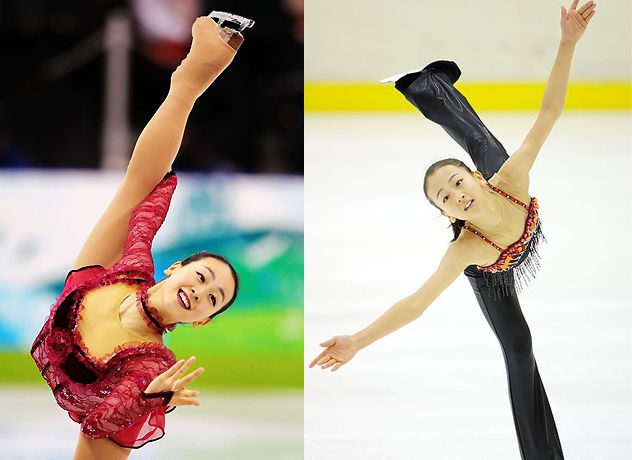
182, 91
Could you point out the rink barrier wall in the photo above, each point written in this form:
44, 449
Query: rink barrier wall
519, 96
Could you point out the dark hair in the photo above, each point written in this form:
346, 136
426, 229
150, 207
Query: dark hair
203, 255
458, 224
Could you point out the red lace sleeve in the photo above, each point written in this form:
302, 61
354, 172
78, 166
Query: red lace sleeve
144, 223
128, 412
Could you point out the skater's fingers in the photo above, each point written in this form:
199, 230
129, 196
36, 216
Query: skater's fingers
336, 366
574, 5
578, 20
584, 14
173, 369
181, 383
329, 363
587, 11
563, 13
581, 21
185, 393
323, 360
186, 402
329, 343
589, 17
317, 358
585, 6
183, 369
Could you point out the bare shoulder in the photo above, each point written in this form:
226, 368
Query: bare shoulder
473, 250
104, 245
464, 251
516, 187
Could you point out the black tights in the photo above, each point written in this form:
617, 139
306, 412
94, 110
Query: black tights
432, 92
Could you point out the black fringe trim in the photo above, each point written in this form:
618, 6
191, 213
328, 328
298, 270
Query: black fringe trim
520, 273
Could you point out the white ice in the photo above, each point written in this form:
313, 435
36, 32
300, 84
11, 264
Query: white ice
436, 389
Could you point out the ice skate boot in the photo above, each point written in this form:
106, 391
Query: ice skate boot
231, 26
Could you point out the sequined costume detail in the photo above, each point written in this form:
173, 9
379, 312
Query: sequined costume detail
520, 261
105, 393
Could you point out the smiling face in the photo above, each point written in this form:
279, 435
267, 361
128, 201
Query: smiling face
195, 291
456, 191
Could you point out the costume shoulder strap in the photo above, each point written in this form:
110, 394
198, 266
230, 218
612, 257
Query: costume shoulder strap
483, 237
507, 195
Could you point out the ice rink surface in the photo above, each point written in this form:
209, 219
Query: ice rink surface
437, 389
226, 426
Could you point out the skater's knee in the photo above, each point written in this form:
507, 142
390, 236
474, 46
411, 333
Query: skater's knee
519, 346
420, 98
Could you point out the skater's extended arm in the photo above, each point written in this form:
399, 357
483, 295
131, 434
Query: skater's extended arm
340, 349
573, 23
159, 142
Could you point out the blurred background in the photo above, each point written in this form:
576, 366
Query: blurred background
79, 82
70, 68
437, 388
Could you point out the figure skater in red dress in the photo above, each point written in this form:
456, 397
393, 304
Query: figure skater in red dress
101, 349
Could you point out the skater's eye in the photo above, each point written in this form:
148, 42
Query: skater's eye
458, 183
213, 299
201, 276
446, 198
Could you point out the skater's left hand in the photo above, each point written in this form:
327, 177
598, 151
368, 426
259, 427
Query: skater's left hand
173, 379
575, 21
338, 350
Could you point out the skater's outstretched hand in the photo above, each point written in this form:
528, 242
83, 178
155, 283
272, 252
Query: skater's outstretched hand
338, 351
172, 380
575, 21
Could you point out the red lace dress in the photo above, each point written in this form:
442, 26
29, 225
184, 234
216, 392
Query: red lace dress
103, 388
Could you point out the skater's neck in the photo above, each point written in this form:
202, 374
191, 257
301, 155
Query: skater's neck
490, 220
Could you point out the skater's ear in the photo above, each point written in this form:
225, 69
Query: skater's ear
452, 219
479, 177
172, 268
197, 324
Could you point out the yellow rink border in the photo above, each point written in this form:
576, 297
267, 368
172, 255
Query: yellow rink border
353, 97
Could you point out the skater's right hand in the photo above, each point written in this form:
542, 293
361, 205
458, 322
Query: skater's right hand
338, 351
172, 380
575, 21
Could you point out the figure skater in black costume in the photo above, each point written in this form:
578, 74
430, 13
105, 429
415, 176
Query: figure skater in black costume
496, 231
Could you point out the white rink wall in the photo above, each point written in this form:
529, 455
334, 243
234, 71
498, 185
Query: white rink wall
496, 40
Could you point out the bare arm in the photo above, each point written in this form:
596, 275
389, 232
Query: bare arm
104, 245
341, 349
158, 144
413, 306
573, 23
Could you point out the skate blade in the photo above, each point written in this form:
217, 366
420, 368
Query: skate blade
236, 22
394, 78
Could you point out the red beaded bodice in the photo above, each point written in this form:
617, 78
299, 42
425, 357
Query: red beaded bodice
511, 256
106, 395
521, 256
